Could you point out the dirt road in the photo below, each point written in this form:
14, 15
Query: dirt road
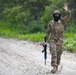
18, 57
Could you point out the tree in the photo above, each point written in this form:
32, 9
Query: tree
72, 4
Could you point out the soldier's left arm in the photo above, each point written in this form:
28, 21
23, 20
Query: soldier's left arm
68, 16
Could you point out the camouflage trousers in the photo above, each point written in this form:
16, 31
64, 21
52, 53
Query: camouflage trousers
56, 51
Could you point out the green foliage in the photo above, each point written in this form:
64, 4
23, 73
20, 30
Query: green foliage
70, 41
36, 26
4, 25
36, 37
25, 14
70, 44
27, 19
70, 28
48, 14
31, 13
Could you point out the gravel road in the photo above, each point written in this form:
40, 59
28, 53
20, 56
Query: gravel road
20, 57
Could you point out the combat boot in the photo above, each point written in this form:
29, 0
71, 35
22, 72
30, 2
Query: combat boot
55, 69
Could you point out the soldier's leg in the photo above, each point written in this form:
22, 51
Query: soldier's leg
53, 52
59, 51
53, 55
59, 57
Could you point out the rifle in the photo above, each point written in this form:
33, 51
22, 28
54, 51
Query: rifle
44, 51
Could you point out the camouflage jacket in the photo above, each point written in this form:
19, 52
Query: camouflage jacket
57, 28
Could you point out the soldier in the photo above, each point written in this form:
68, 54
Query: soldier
56, 28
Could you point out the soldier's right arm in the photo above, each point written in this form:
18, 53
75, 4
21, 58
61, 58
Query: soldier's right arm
48, 31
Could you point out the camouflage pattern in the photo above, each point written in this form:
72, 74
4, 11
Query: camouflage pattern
56, 11
56, 29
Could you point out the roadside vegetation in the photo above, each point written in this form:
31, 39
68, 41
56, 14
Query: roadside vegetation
69, 42
27, 20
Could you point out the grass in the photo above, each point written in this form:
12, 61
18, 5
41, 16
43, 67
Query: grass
31, 37
68, 44
36, 37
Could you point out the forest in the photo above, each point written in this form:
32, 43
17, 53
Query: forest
28, 19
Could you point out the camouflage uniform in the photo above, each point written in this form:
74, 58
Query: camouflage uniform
56, 29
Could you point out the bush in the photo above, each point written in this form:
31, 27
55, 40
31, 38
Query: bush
70, 44
35, 27
70, 28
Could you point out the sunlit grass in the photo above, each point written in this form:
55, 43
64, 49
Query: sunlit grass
32, 37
